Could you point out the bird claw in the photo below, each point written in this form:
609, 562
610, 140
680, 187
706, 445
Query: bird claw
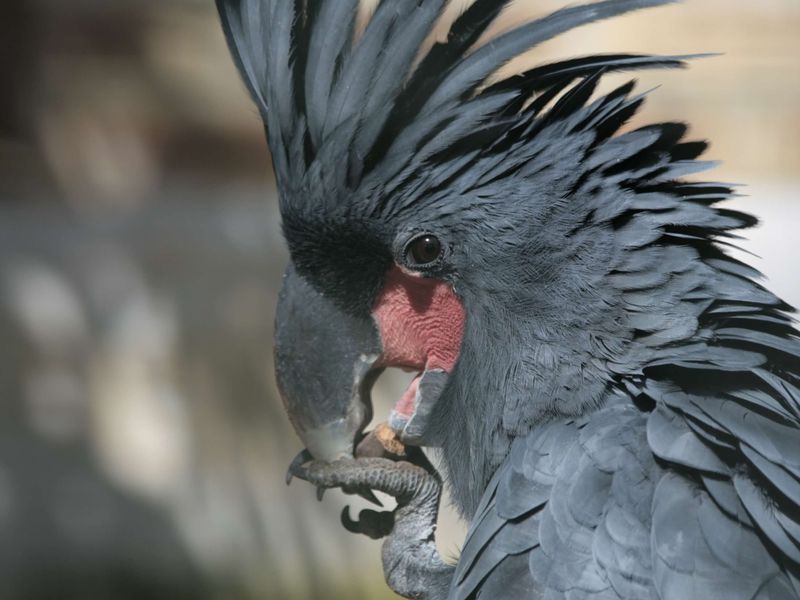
365, 494
372, 523
347, 474
411, 564
361, 476
295, 467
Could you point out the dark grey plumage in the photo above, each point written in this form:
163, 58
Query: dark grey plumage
634, 431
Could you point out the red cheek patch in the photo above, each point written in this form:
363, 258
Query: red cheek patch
421, 322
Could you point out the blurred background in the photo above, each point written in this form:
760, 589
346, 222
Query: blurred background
142, 444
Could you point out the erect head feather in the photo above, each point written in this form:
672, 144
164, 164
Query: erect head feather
342, 109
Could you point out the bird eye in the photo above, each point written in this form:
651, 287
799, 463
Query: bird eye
424, 250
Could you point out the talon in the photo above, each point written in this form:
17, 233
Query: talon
365, 493
373, 524
295, 467
370, 496
320, 492
348, 522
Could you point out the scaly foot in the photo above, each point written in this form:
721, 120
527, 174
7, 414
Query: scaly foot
411, 564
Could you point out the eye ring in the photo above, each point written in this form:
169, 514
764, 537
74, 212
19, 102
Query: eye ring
424, 250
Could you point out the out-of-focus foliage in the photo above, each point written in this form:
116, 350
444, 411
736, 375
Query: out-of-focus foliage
143, 445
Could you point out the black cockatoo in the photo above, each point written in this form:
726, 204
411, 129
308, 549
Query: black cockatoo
615, 399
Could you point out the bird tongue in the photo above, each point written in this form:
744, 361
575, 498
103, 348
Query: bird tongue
407, 404
410, 416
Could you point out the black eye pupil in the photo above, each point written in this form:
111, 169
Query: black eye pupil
425, 249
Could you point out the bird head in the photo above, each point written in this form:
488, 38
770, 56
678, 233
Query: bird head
491, 235
470, 254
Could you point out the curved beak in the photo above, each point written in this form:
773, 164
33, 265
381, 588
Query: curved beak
325, 364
